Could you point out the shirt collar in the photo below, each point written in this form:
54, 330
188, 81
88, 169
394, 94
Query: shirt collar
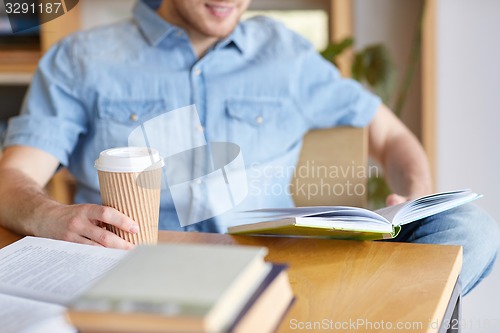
236, 38
155, 28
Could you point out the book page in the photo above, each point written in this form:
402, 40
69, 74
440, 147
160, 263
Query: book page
390, 212
426, 206
28, 316
53, 271
346, 212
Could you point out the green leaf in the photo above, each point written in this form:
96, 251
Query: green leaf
334, 49
373, 66
358, 68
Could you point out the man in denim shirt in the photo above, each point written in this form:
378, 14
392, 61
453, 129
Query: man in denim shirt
254, 83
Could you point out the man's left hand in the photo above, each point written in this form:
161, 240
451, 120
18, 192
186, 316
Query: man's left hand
395, 199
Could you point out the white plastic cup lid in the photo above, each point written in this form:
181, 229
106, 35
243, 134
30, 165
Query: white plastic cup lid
128, 159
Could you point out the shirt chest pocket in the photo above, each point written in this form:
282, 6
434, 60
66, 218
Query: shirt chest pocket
116, 119
267, 124
255, 112
130, 112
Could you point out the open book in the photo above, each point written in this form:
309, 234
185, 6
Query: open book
39, 277
343, 222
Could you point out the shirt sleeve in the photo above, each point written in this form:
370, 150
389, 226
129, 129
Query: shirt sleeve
52, 116
328, 100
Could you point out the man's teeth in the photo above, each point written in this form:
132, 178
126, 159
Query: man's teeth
220, 9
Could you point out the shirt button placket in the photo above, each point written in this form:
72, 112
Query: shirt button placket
199, 196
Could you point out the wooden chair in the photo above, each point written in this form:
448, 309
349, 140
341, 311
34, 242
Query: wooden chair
62, 187
332, 169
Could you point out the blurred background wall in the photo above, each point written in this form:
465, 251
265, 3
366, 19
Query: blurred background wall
468, 120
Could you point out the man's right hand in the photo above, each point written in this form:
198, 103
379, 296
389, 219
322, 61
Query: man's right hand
27, 210
85, 224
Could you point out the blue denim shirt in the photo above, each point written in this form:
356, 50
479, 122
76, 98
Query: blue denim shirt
263, 88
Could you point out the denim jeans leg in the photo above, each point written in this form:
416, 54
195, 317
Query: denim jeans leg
467, 225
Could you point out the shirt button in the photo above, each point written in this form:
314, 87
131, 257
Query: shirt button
197, 72
179, 33
197, 181
199, 128
134, 117
259, 120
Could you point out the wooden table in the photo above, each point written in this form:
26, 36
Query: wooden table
351, 286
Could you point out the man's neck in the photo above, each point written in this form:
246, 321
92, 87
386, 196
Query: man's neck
200, 43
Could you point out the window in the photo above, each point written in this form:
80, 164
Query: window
306, 17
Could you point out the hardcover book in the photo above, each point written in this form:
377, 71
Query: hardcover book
342, 222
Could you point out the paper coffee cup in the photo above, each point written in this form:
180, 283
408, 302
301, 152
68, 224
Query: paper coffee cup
130, 181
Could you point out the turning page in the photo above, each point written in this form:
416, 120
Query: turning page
426, 206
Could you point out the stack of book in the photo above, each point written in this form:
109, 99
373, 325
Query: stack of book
186, 288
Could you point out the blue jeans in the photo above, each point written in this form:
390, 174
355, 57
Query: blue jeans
468, 226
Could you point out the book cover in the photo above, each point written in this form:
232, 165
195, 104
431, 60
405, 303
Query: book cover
267, 306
